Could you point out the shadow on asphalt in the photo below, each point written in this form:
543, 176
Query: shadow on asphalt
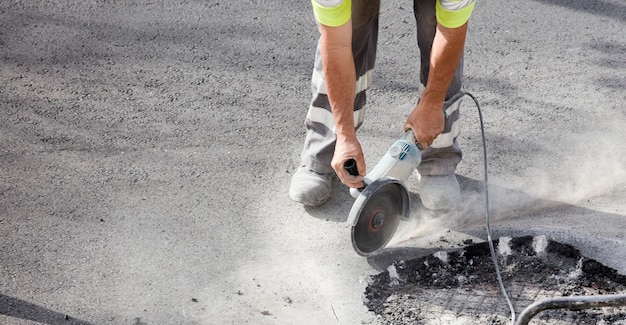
337, 208
601, 8
21, 309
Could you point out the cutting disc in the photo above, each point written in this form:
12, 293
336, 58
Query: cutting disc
376, 214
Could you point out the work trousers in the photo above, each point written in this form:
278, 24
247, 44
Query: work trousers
319, 145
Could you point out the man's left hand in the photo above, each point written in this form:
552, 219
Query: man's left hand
427, 122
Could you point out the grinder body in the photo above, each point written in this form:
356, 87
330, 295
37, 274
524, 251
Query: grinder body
400, 160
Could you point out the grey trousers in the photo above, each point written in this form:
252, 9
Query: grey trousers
319, 145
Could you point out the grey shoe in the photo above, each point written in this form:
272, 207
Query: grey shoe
439, 193
309, 187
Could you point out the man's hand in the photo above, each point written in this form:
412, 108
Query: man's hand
427, 119
346, 148
427, 122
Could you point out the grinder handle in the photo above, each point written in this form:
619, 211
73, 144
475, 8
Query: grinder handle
350, 166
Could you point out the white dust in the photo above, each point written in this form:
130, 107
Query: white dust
504, 246
575, 167
442, 256
394, 277
540, 244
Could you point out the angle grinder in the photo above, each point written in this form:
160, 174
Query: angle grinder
384, 200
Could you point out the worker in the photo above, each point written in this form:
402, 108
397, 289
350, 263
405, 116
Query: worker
342, 74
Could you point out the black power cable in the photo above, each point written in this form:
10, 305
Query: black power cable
487, 216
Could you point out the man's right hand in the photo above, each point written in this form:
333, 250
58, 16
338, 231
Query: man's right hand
346, 148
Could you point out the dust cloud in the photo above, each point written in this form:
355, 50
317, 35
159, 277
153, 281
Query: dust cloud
583, 166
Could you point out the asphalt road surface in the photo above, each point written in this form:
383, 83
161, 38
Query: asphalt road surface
146, 149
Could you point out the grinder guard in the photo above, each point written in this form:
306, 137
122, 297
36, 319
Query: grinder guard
384, 201
376, 214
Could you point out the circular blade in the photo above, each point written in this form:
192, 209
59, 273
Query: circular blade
379, 216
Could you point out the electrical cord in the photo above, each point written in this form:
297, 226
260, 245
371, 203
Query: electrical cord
487, 216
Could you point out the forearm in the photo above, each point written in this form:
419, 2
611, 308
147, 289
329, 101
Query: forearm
445, 56
340, 75
427, 120
340, 78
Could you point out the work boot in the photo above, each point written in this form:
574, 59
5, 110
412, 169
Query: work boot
439, 192
309, 187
